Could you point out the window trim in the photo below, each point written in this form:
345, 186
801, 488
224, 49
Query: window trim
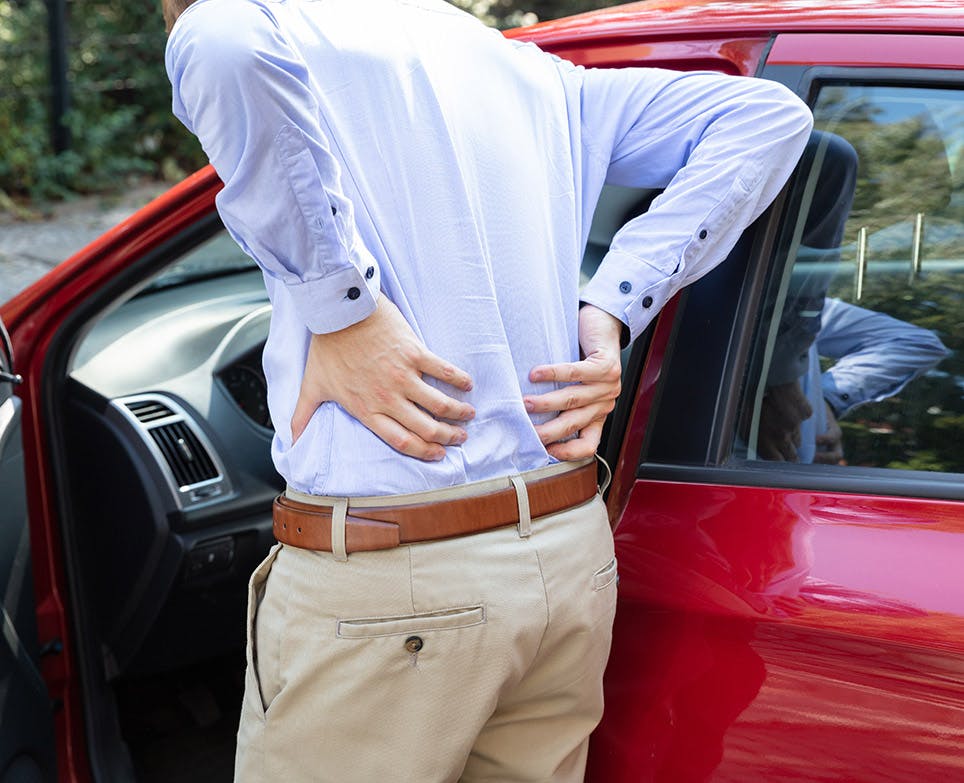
815, 478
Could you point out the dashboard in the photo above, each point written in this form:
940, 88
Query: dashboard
168, 443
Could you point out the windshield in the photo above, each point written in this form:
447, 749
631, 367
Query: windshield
215, 257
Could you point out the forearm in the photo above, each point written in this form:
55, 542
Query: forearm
722, 148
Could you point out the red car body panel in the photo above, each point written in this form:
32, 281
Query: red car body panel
867, 50
761, 633
737, 56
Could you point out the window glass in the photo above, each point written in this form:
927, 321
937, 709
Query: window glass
859, 358
217, 256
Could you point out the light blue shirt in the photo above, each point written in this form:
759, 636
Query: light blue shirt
403, 147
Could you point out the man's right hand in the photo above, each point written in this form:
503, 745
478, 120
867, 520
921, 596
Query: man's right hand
373, 369
784, 409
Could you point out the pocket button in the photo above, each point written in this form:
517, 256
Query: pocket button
414, 643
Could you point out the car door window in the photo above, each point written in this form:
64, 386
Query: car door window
858, 357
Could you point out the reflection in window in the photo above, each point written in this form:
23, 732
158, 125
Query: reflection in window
861, 352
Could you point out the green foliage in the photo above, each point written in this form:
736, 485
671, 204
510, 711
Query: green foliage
120, 118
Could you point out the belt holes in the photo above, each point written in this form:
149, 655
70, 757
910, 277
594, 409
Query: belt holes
284, 525
299, 529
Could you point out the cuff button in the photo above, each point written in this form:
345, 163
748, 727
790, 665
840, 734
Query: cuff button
647, 301
625, 286
703, 234
334, 210
369, 273
353, 293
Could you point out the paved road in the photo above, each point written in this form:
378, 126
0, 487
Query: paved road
29, 248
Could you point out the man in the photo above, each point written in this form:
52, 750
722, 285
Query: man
418, 191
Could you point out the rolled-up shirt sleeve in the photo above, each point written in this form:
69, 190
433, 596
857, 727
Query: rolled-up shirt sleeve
245, 93
877, 355
721, 146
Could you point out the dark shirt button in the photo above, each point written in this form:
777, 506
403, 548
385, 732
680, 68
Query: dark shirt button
353, 293
703, 234
625, 286
414, 643
334, 210
845, 396
369, 273
647, 301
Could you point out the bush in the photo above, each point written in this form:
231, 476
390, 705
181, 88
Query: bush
120, 118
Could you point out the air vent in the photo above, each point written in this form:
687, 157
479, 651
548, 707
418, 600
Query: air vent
149, 410
189, 460
177, 445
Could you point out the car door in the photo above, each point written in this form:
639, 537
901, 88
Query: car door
27, 742
790, 484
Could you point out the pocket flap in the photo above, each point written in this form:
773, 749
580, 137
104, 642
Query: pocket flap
431, 621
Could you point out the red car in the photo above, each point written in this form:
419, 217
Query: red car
787, 453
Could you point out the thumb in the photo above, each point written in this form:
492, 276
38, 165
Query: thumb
305, 408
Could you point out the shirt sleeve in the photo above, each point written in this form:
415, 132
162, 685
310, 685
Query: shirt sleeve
721, 146
245, 93
877, 355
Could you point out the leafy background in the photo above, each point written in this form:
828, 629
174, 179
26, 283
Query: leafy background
120, 116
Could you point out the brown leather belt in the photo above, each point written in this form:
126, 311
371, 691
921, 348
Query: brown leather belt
308, 526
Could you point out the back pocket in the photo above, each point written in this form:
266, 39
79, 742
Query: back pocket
605, 576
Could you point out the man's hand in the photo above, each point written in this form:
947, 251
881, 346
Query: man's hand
784, 408
830, 444
584, 405
374, 369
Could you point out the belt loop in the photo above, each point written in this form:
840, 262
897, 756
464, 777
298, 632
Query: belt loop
522, 495
609, 475
338, 513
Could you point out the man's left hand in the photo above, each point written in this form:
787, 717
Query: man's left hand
584, 405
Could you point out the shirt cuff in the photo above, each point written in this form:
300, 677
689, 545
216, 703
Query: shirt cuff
842, 402
337, 301
628, 289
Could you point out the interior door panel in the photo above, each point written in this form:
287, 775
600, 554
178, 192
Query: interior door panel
26, 743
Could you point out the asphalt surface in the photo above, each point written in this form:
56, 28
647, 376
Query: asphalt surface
30, 248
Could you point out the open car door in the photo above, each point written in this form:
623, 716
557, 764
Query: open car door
27, 740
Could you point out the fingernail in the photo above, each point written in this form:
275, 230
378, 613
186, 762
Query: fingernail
529, 405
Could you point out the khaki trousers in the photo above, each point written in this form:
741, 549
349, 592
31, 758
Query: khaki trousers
477, 658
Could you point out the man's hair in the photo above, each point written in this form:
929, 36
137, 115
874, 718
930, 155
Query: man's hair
172, 9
